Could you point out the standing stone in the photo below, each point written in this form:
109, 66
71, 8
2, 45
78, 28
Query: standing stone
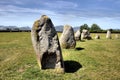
97, 36
77, 35
67, 39
85, 34
108, 36
117, 36
46, 44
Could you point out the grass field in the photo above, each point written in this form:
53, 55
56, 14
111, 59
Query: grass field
91, 60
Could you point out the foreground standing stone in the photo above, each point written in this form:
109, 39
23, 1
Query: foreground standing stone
77, 35
108, 36
67, 39
85, 34
46, 44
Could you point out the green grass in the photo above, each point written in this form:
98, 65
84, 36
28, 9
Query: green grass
91, 60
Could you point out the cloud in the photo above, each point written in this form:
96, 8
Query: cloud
61, 4
25, 12
20, 16
59, 7
14, 9
6, 2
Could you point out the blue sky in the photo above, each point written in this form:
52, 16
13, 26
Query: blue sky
105, 13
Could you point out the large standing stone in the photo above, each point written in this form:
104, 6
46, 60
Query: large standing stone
85, 34
46, 44
67, 39
97, 36
108, 36
77, 35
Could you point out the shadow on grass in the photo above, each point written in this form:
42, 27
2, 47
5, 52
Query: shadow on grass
79, 48
82, 40
72, 66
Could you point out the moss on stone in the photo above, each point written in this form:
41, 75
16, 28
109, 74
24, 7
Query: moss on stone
36, 24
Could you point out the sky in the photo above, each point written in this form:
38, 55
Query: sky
105, 13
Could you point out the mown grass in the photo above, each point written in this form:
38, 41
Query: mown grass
91, 60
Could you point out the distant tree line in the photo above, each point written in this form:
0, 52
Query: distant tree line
9, 30
14, 29
96, 29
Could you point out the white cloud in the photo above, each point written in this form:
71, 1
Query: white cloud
61, 4
14, 9
18, 2
13, 15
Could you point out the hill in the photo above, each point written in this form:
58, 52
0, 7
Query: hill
60, 28
14, 28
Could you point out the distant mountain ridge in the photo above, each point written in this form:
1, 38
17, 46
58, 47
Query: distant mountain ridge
14, 27
60, 28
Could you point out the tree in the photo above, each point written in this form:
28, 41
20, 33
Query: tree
95, 28
84, 26
8, 29
16, 29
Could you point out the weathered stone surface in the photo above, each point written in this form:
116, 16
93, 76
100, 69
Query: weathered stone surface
97, 36
85, 34
46, 44
67, 39
77, 35
108, 36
